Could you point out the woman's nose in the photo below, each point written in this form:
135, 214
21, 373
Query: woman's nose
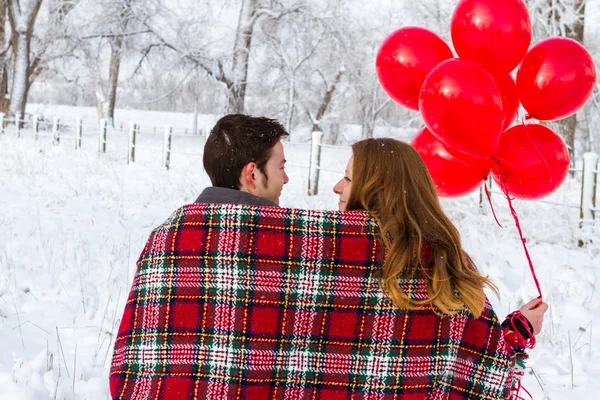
336, 188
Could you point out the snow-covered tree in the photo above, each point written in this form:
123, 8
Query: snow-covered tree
560, 18
122, 18
307, 62
292, 42
201, 45
32, 46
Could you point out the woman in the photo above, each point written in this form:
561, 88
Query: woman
389, 179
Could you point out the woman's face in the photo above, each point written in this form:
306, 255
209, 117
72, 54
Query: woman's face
342, 188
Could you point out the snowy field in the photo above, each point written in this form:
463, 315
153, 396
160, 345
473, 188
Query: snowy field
72, 224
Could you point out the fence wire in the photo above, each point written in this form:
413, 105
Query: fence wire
43, 128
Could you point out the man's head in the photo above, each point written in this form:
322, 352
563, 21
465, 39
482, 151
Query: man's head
245, 153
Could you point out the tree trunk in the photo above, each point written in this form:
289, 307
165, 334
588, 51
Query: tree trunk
113, 78
116, 53
291, 97
567, 127
576, 31
4, 86
35, 69
369, 116
327, 100
23, 22
371, 113
18, 97
4, 59
37, 65
235, 100
241, 55
368, 128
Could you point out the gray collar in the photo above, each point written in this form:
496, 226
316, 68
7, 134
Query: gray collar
219, 195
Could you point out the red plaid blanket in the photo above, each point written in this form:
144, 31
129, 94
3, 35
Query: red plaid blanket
241, 302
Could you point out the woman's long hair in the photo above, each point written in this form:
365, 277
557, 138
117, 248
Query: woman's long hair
391, 182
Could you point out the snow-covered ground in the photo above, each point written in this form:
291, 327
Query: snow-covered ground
72, 224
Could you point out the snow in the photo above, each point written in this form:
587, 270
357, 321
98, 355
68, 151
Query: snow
73, 222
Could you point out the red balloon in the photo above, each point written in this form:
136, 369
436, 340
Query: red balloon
495, 34
532, 161
461, 105
510, 99
556, 78
405, 59
452, 174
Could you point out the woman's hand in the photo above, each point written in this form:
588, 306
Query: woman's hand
534, 312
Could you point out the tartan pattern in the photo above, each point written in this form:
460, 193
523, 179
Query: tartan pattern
244, 302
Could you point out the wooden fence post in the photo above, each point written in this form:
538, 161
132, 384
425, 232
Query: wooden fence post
131, 143
102, 136
315, 163
588, 187
18, 120
56, 131
35, 126
78, 133
167, 147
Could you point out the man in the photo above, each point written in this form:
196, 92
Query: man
245, 161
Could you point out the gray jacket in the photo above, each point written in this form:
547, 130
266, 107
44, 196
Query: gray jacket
219, 195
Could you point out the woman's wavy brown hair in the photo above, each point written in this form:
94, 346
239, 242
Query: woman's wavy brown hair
391, 182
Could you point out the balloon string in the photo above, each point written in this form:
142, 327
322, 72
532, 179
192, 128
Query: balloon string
489, 196
524, 241
518, 225
517, 395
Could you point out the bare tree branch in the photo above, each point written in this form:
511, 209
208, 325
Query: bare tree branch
114, 35
144, 57
172, 91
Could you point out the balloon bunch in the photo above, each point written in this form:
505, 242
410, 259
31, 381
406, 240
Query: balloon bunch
468, 104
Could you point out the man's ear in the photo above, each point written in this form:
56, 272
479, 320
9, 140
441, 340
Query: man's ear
247, 176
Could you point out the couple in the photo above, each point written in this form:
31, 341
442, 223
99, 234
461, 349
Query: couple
237, 298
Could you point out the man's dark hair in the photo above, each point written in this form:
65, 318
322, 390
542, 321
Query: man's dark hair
237, 140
